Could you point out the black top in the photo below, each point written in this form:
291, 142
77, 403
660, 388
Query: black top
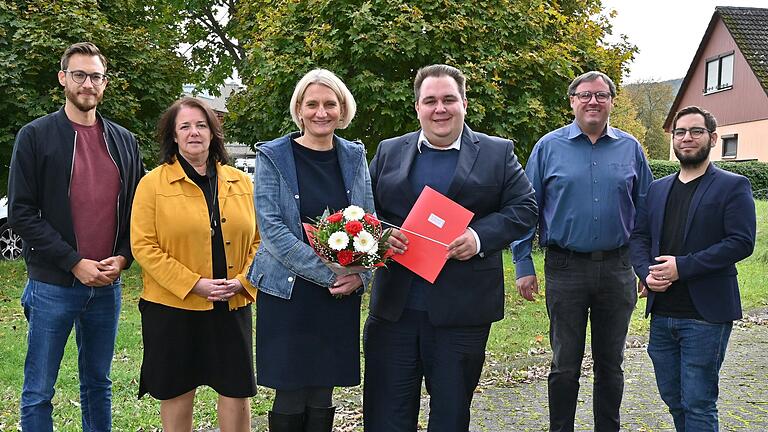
676, 301
209, 185
317, 171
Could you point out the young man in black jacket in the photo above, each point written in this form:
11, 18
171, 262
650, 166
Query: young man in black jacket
72, 180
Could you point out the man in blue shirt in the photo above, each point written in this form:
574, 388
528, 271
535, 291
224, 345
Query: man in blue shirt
587, 178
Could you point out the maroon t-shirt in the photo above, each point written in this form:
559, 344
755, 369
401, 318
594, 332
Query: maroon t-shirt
93, 193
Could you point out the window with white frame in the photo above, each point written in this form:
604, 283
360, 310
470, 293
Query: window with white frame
730, 145
719, 73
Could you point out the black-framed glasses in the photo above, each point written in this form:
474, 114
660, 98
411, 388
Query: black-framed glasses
586, 96
696, 132
79, 77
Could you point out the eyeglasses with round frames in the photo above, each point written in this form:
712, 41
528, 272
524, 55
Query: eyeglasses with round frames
696, 132
79, 77
586, 96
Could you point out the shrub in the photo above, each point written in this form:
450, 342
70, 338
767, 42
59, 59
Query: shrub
756, 172
662, 168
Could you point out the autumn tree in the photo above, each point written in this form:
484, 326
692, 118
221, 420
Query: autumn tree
518, 56
653, 101
624, 116
138, 39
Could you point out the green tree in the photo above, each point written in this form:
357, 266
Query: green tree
653, 100
519, 57
210, 31
138, 39
624, 116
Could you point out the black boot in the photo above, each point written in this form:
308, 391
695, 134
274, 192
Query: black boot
319, 419
279, 422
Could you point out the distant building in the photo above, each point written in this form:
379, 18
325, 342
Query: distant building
729, 77
218, 103
241, 154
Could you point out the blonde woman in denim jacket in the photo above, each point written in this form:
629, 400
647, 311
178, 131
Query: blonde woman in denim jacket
308, 319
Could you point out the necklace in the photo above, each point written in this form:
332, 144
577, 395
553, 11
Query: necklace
214, 188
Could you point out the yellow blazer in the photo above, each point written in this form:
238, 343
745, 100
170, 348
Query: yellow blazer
171, 236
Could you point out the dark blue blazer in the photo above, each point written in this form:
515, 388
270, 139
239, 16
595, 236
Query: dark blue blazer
490, 182
719, 232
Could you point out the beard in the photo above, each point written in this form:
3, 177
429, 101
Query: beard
695, 159
83, 105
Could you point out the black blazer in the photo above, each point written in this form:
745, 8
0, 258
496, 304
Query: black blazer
719, 232
38, 194
490, 182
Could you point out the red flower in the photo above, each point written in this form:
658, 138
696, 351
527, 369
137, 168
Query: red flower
345, 257
371, 219
353, 227
334, 218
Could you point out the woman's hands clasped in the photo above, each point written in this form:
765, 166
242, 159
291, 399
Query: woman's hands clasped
217, 289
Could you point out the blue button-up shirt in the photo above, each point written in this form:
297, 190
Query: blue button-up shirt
586, 193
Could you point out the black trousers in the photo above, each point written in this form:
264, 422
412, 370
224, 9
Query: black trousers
397, 356
604, 291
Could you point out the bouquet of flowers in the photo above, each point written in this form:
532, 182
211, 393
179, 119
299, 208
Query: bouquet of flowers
349, 241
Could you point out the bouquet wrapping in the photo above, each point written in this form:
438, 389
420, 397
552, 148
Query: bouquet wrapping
349, 241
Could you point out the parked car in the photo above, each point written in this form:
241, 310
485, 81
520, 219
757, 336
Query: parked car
247, 165
10, 242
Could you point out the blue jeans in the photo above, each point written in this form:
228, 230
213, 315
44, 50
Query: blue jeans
51, 311
687, 355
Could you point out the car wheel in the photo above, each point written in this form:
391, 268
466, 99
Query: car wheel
10, 243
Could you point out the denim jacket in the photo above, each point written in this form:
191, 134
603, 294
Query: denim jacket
282, 255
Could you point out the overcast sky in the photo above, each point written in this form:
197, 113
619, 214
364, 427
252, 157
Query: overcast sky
667, 32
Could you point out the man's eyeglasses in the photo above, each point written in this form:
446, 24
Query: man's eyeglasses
696, 132
586, 96
79, 77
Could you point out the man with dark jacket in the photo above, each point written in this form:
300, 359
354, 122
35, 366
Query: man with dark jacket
692, 229
438, 331
72, 180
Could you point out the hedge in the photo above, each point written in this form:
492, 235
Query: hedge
756, 172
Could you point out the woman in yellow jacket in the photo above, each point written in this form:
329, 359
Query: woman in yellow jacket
193, 232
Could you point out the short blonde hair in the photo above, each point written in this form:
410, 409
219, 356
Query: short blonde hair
330, 80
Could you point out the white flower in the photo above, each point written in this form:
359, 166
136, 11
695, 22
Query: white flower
338, 240
364, 242
353, 213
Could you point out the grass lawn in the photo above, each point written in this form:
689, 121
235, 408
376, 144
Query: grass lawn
129, 413
524, 328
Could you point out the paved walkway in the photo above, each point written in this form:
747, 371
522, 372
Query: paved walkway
743, 394
502, 405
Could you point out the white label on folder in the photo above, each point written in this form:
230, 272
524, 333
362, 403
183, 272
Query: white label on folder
436, 220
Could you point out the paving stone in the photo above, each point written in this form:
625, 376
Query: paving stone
513, 407
743, 401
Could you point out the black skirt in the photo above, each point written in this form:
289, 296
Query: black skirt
311, 340
185, 349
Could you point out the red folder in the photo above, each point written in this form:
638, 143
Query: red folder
435, 217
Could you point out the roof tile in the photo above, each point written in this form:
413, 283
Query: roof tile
749, 28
